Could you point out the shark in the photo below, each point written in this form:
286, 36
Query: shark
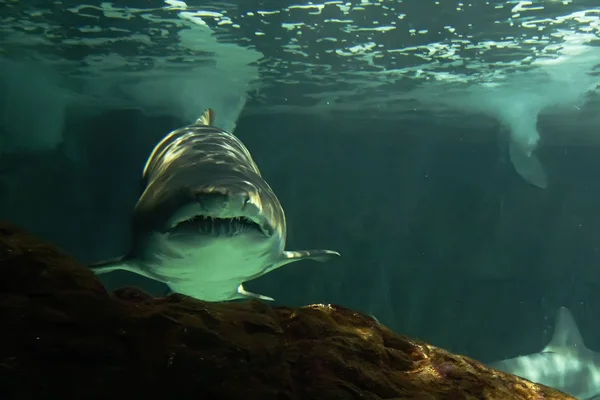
564, 364
206, 221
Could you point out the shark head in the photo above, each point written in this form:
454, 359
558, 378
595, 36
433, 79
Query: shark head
204, 199
564, 364
201, 184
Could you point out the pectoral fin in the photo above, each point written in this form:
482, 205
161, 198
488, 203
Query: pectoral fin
288, 257
118, 264
244, 294
111, 265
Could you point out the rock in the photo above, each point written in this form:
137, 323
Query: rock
64, 336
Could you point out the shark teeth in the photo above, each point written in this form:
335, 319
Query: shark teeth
219, 226
223, 226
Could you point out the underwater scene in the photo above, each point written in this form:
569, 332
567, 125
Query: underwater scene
284, 199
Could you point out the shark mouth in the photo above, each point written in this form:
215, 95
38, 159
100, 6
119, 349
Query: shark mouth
223, 226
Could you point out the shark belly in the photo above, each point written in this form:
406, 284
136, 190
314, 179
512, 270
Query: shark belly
211, 269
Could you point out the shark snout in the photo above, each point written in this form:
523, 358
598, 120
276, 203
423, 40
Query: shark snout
224, 204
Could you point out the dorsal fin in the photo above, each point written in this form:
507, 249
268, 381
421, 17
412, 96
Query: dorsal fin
566, 334
207, 118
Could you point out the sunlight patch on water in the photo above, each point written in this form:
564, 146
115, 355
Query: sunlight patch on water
374, 70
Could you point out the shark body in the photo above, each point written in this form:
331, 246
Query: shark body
206, 220
564, 364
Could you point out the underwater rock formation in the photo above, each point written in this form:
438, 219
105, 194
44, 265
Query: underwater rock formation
64, 336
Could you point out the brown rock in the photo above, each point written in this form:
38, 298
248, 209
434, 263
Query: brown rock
64, 337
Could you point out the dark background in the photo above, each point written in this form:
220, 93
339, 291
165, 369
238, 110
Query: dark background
440, 238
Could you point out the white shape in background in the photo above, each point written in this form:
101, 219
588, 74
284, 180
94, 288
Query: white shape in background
35, 97
564, 364
518, 99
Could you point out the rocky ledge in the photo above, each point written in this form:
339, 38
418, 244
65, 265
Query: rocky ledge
64, 336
